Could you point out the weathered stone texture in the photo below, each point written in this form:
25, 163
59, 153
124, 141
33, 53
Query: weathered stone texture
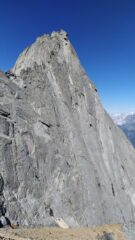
59, 149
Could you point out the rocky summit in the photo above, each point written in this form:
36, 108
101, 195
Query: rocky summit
61, 155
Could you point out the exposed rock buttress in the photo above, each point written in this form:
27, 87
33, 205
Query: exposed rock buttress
59, 149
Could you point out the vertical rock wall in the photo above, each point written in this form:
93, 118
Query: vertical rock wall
59, 149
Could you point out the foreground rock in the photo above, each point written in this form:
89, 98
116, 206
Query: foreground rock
107, 232
60, 153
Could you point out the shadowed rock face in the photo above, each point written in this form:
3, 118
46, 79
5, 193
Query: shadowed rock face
59, 149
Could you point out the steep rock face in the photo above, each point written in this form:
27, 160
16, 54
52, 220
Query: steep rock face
59, 149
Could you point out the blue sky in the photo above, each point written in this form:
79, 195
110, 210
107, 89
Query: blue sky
102, 32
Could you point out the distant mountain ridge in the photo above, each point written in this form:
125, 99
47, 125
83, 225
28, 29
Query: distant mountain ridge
126, 121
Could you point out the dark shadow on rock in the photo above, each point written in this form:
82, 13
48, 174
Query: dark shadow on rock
105, 236
1, 184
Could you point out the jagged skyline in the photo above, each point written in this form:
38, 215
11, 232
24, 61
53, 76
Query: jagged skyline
101, 32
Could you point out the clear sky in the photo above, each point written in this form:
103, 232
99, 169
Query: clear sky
102, 32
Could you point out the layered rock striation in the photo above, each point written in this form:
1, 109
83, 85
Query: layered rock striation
60, 152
